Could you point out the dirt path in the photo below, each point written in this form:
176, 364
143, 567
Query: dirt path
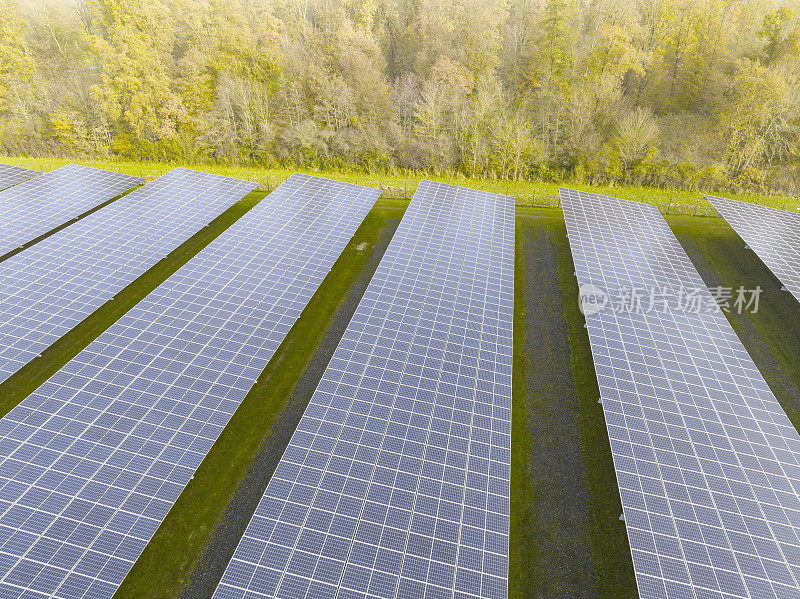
558, 540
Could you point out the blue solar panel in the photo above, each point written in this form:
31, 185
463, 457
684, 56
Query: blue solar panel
774, 235
707, 462
92, 461
50, 287
396, 481
33, 208
11, 175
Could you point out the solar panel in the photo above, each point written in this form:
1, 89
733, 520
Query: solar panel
707, 462
92, 461
11, 175
50, 287
396, 480
33, 208
774, 235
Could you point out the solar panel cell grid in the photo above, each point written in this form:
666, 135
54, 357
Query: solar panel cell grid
49, 288
396, 481
92, 461
774, 235
707, 462
33, 208
11, 175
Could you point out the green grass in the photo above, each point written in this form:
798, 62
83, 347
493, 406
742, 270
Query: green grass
404, 185
164, 567
522, 573
550, 503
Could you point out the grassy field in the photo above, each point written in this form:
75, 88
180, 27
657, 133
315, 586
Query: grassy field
566, 537
403, 186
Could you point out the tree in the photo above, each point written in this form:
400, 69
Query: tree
670, 92
16, 66
134, 44
778, 33
481, 114
761, 117
637, 135
514, 145
554, 59
401, 37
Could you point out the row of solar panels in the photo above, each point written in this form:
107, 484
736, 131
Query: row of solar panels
396, 482
707, 462
397, 479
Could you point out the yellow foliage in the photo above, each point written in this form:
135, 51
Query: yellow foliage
16, 67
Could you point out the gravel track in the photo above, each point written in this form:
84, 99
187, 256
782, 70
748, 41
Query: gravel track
561, 510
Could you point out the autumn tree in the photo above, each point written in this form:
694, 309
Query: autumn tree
16, 66
661, 92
